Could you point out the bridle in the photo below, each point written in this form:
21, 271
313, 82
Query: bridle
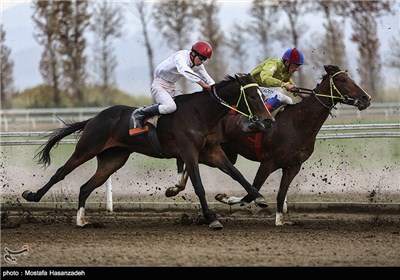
250, 115
216, 97
332, 88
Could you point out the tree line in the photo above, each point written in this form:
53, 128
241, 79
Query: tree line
61, 28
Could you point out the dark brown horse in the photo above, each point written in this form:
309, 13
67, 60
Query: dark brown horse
291, 140
186, 134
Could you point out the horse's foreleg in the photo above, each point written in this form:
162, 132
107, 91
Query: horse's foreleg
230, 200
192, 168
262, 173
108, 162
216, 157
80, 218
287, 177
285, 209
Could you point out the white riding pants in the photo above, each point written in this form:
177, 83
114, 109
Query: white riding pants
163, 93
268, 93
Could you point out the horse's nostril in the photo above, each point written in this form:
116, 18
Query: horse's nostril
366, 98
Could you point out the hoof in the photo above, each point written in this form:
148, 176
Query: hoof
261, 202
28, 195
172, 191
221, 197
216, 225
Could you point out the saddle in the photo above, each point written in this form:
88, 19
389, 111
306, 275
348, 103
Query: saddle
133, 130
149, 127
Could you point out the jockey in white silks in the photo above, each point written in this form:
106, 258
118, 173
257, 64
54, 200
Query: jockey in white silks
183, 63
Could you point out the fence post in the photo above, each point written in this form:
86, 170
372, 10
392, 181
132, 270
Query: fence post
109, 206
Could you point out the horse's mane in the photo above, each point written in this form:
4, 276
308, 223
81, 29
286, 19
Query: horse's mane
228, 79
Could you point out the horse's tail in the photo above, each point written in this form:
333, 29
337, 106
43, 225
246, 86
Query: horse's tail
44, 154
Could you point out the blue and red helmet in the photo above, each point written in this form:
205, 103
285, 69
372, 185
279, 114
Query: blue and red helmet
293, 56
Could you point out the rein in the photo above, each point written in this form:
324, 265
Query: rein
332, 88
250, 116
215, 96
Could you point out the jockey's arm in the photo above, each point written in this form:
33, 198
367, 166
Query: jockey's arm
204, 85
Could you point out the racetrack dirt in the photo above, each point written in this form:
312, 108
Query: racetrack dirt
180, 239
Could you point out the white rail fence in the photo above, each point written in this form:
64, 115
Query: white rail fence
34, 117
326, 132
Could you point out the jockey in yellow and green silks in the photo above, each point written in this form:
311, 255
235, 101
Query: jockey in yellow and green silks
277, 73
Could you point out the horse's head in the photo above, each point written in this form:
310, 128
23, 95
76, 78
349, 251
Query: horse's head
255, 116
339, 87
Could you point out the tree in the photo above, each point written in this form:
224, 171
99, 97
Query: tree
73, 22
207, 14
175, 22
236, 45
263, 17
331, 49
143, 13
363, 15
46, 17
6, 66
291, 34
106, 21
174, 19
393, 58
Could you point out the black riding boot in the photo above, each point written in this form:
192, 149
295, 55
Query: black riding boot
142, 114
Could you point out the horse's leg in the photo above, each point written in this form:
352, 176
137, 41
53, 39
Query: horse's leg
284, 208
215, 156
73, 162
182, 179
262, 174
85, 150
288, 175
183, 176
108, 162
192, 167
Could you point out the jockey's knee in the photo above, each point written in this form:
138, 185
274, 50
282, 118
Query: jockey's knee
286, 99
275, 101
167, 108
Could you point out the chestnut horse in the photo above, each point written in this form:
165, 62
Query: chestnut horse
291, 140
186, 134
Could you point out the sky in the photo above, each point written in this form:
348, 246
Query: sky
132, 69
7, 4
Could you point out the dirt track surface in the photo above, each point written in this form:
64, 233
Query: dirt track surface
178, 239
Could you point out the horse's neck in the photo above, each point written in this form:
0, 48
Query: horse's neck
208, 111
310, 115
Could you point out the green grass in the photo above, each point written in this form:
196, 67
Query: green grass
375, 152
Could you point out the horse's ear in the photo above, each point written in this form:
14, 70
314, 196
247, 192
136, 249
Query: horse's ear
331, 69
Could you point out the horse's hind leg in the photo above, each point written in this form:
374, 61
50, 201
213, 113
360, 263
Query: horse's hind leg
108, 162
73, 162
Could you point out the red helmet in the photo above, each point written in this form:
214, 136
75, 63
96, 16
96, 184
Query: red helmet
203, 49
